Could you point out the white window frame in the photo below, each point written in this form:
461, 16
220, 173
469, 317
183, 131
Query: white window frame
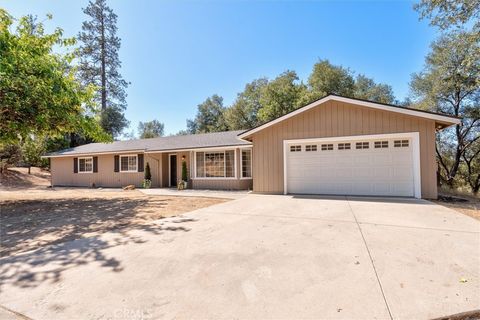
241, 164
414, 138
126, 156
78, 164
224, 167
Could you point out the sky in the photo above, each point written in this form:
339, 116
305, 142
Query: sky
175, 54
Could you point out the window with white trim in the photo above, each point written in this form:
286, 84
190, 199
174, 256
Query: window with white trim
326, 147
85, 165
295, 148
381, 144
246, 163
400, 143
215, 164
344, 146
128, 163
312, 147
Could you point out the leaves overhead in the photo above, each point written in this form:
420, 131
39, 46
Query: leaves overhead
446, 14
39, 94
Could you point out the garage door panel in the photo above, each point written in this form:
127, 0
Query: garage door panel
373, 171
362, 159
382, 173
382, 159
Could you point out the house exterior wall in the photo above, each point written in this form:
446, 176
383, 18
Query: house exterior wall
63, 175
332, 119
205, 183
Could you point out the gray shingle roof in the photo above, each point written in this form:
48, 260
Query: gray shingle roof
194, 141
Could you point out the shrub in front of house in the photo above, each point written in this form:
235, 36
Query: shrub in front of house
147, 181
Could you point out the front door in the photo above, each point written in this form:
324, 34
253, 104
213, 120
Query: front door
173, 170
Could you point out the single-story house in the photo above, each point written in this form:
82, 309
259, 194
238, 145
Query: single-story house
335, 145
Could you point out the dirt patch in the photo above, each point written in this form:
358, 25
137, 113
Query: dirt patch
469, 315
34, 218
467, 205
18, 178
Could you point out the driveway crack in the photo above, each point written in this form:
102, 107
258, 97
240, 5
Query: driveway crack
371, 259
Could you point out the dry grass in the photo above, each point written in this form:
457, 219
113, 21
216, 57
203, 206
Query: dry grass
36, 216
460, 201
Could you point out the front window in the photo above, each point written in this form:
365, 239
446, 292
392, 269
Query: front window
215, 164
85, 165
246, 163
128, 163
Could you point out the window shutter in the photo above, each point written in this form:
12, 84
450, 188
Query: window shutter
95, 164
116, 165
140, 162
75, 165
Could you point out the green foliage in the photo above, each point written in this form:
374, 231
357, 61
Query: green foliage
210, 117
243, 114
181, 133
151, 129
147, 174
327, 78
184, 171
39, 93
32, 150
366, 88
470, 170
100, 65
280, 96
146, 183
450, 13
450, 83
113, 120
263, 100
10, 154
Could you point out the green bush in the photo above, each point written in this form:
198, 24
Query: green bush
184, 171
146, 184
147, 174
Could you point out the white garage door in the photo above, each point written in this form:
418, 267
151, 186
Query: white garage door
371, 167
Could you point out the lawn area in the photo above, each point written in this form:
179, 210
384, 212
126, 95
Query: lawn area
33, 215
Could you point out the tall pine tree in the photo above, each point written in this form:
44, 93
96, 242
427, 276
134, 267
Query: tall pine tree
100, 64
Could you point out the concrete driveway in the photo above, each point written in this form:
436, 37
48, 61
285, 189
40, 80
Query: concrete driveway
261, 257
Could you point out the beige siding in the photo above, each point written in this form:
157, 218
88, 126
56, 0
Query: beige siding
62, 173
332, 119
232, 184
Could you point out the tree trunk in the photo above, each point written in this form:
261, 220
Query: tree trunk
103, 59
29, 169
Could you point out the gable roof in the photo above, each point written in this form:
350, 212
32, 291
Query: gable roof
443, 119
193, 141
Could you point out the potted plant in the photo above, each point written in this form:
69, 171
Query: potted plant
183, 184
147, 181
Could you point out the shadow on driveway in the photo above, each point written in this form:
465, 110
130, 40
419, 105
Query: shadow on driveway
60, 234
